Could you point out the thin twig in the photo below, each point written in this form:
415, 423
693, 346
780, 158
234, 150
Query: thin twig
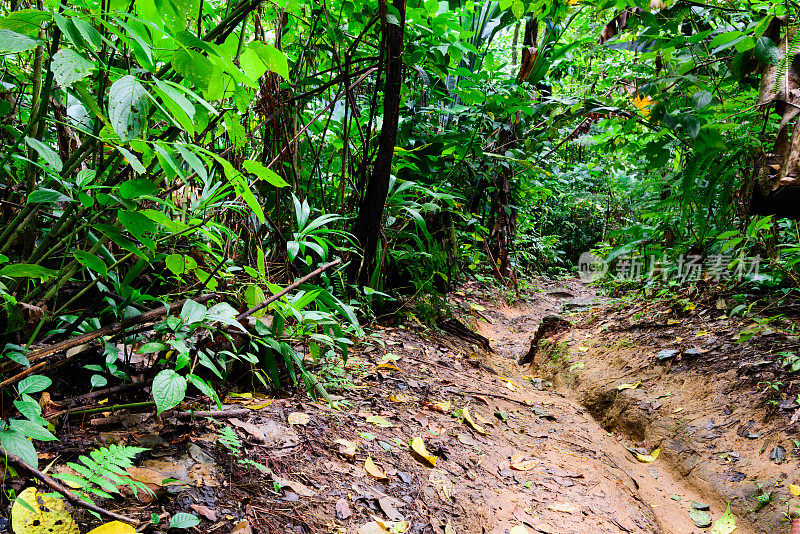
71, 497
288, 288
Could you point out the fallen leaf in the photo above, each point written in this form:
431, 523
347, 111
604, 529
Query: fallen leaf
387, 506
41, 514
347, 448
647, 458
795, 490
343, 510
421, 453
445, 406
519, 529
472, 424
701, 333
726, 524
379, 421
242, 527
701, 518
400, 398
388, 366
583, 349
444, 488
564, 507
114, 527
204, 474
623, 387
449, 528
205, 511
524, 465
374, 470
297, 487
299, 418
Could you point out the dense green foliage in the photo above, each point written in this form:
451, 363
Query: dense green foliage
214, 151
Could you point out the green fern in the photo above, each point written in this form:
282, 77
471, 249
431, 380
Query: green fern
783, 65
103, 471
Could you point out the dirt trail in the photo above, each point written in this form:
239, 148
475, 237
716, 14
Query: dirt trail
658, 485
530, 458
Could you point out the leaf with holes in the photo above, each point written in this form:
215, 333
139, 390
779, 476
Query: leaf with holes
69, 67
127, 107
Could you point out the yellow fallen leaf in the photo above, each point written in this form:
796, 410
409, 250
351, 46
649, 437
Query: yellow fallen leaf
472, 424
445, 406
258, 406
677, 410
41, 514
673, 321
519, 529
388, 366
701, 333
583, 349
400, 398
481, 419
623, 387
115, 527
379, 421
374, 470
648, 458
421, 453
795, 490
373, 527
564, 507
299, 418
524, 465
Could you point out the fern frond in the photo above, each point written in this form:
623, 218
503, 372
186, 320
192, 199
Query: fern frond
103, 471
792, 48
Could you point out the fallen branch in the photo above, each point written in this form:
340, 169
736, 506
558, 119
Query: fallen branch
113, 328
288, 288
71, 497
214, 413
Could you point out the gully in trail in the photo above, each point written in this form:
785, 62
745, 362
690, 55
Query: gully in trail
672, 431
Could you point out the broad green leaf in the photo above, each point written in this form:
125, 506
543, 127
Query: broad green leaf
766, 51
169, 389
47, 196
31, 430
138, 187
127, 107
193, 312
33, 384
272, 58
69, 67
183, 520
268, 175
48, 154
12, 42
25, 21
180, 264
26, 270
16, 443
92, 262
235, 130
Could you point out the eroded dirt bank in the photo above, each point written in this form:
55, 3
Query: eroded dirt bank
700, 403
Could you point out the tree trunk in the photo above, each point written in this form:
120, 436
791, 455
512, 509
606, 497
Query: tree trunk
367, 228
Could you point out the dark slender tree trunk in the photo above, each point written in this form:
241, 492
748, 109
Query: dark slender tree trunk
368, 225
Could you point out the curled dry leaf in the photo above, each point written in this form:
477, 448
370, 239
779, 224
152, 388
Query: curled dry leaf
374, 470
472, 424
623, 387
419, 451
647, 458
299, 418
